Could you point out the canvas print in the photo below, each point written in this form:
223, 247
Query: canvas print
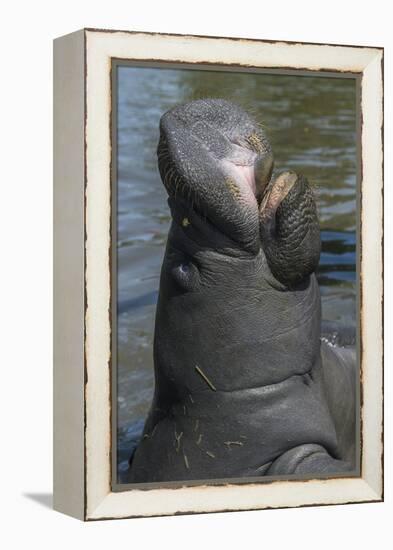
236, 278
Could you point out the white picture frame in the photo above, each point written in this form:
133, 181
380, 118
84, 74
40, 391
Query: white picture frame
82, 334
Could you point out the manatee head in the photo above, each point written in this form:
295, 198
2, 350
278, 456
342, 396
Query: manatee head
216, 164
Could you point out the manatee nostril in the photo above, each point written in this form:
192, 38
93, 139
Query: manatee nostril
207, 156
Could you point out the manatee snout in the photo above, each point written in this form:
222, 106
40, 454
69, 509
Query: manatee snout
289, 228
213, 155
216, 158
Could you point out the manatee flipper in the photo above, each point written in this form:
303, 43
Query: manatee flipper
307, 459
339, 375
340, 380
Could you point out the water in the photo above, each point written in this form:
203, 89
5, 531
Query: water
311, 124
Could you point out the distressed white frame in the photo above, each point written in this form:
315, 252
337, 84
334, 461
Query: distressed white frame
96, 500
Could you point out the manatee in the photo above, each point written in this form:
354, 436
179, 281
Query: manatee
243, 384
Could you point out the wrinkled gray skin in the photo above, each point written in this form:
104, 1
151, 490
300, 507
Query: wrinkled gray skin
243, 385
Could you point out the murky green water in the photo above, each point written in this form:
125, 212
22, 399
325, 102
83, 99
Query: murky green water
311, 124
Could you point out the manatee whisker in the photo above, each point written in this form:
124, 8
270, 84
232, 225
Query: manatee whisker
163, 155
169, 174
